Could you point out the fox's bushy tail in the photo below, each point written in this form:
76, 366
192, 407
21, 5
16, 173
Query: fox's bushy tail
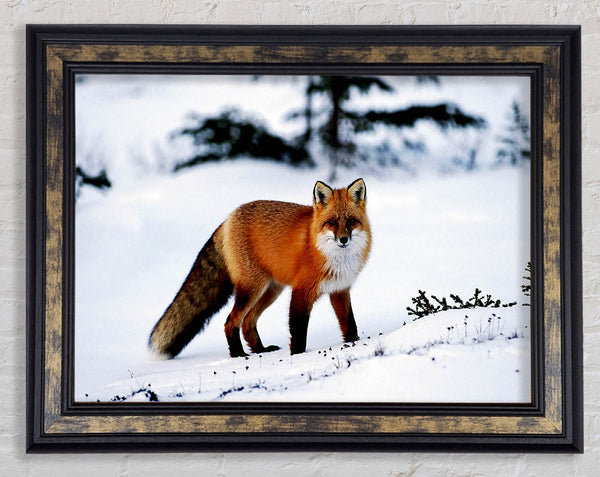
204, 292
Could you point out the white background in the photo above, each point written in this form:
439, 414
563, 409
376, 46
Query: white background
13, 17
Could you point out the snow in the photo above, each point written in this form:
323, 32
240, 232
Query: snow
439, 233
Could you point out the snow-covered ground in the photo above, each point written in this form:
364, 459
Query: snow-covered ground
450, 235
442, 234
479, 355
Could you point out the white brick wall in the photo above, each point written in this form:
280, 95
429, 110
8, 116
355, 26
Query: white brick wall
14, 14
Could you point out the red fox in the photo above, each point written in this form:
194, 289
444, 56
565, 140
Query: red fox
259, 249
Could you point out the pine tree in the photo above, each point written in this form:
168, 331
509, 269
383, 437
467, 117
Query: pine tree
515, 144
233, 134
342, 124
83, 178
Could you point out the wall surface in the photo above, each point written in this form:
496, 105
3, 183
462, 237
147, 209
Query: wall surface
14, 14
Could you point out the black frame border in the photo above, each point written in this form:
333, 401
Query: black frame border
567, 37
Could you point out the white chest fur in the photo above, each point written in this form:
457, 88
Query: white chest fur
342, 263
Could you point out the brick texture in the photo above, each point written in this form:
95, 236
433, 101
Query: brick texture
14, 14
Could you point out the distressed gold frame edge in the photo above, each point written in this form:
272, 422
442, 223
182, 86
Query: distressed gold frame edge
55, 423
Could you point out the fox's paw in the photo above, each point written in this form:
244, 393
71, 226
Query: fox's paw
238, 354
265, 349
271, 348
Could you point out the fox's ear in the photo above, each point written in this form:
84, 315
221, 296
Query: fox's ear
357, 190
322, 193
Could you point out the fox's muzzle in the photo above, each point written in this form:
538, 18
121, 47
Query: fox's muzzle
343, 241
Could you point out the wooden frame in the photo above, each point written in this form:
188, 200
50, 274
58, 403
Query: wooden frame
550, 56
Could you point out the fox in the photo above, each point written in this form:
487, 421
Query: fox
262, 247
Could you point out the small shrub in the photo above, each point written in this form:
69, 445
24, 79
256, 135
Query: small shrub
229, 391
526, 287
379, 350
424, 305
151, 395
148, 393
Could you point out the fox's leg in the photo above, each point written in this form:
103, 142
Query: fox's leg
300, 308
343, 310
249, 324
245, 298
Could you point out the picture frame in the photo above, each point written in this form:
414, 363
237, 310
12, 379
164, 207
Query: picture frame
548, 55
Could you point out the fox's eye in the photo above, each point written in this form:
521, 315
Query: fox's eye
351, 221
332, 222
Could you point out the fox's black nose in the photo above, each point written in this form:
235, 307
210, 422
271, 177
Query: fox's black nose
344, 240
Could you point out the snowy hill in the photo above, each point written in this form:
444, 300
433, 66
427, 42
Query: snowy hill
440, 355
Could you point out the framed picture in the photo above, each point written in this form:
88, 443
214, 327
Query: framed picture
399, 205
